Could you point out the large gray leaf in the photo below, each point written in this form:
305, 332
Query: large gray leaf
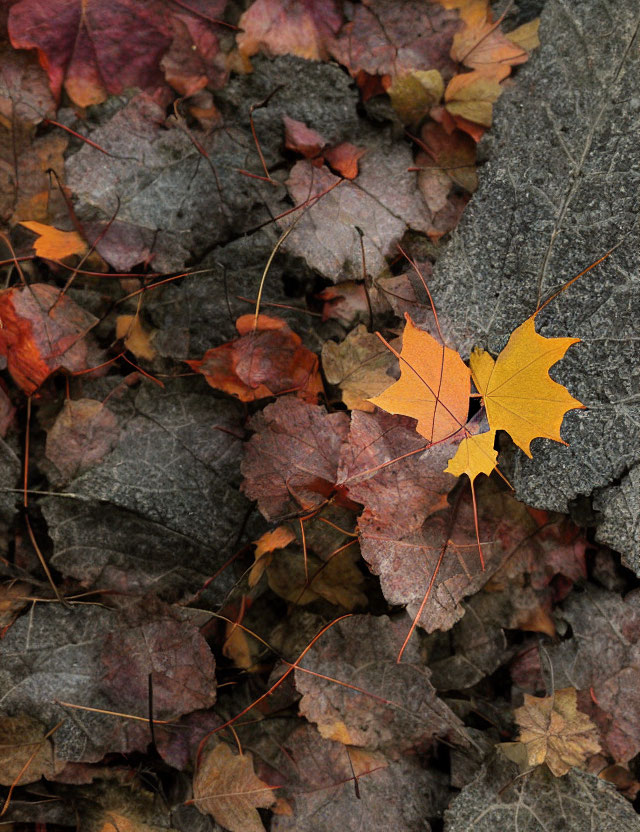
501, 800
562, 187
162, 511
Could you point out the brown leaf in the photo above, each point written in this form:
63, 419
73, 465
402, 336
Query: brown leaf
343, 159
13, 598
553, 731
358, 365
281, 27
24, 751
381, 704
302, 139
266, 545
226, 787
42, 332
291, 462
262, 363
83, 433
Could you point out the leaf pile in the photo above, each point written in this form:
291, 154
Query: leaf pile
243, 582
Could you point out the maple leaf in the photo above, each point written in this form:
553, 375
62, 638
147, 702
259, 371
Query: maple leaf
519, 395
484, 47
472, 95
226, 787
54, 244
475, 455
433, 387
554, 731
262, 362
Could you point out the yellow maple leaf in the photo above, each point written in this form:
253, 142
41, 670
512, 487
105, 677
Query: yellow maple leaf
553, 731
433, 387
519, 395
475, 455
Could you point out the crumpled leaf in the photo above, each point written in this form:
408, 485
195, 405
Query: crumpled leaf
280, 27
358, 365
501, 799
518, 393
226, 787
24, 751
84, 432
402, 711
326, 236
262, 362
41, 653
43, 331
553, 731
433, 388
291, 462
397, 38
395, 794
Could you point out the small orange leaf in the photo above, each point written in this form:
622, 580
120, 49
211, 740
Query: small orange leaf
136, 338
266, 545
433, 387
519, 395
53, 244
485, 48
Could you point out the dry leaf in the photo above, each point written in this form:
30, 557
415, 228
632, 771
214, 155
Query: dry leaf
555, 732
358, 365
433, 386
518, 393
414, 94
136, 338
53, 244
226, 787
475, 455
266, 545
472, 96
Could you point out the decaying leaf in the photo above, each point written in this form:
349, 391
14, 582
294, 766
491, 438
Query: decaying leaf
263, 362
358, 365
554, 731
291, 462
42, 331
226, 787
518, 393
433, 388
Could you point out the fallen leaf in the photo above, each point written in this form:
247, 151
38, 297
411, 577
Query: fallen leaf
396, 38
25, 754
263, 362
414, 94
499, 798
84, 432
302, 139
380, 705
485, 48
472, 96
281, 27
472, 12
319, 781
291, 461
526, 36
343, 159
237, 647
54, 244
475, 455
402, 494
13, 598
358, 365
452, 154
226, 787
346, 302
433, 388
137, 339
518, 393
43, 331
266, 545
555, 732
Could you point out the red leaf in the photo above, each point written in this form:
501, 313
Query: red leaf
302, 139
42, 331
291, 463
261, 363
343, 159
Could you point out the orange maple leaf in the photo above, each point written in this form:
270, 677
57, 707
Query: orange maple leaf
53, 244
433, 387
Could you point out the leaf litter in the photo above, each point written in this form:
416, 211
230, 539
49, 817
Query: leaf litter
237, 423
